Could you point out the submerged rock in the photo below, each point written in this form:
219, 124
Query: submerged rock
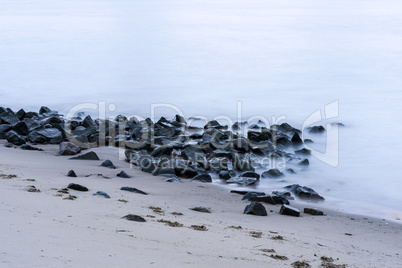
245, 181
265, 199
272, 173
304, 192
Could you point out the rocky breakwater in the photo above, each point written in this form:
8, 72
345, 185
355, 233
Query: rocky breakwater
241, 154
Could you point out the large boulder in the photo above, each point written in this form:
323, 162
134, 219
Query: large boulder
68, 148
14, 138
4, 128
255, 208
53, 135
21, 128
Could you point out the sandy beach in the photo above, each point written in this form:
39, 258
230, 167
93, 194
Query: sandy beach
43, 229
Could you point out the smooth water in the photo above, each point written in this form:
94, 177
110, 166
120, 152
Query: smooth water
277, 58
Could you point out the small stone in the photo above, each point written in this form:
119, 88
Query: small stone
102, 193
173, 179
290, 211
272, 173
132, 217
255, 208
123, 174
202, 209
77, 187
108, 164
28, 147
87, 156
133, 190
71, 173
314, 212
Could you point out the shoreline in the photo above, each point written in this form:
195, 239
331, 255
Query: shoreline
89, 231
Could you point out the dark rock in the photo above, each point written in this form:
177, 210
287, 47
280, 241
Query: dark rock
34, 137
108, 164
173, 179
68, 148
8, 119
132, 217
146, 164
163, 150
202, 209
314, 212
291, 171
202, 178
77, 187
89, 123
71, 173
304, 162
133, 190
280, 199
304, 192
245, 192
242, 180
250, 174
44, 110
272, 173
193, 153
303, 151
29, 148
255, 208
20, 114
242, 145
242, 164
163, 171
21, 128
317, 129
251, 194
123, 174
226, 174
258, 137
102, 193
87, 156
8, 145
290, 211
265, 199
52, 134
296, 140
308, 141
214, 124
14, 138
4, 128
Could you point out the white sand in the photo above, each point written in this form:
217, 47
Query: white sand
44, 230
